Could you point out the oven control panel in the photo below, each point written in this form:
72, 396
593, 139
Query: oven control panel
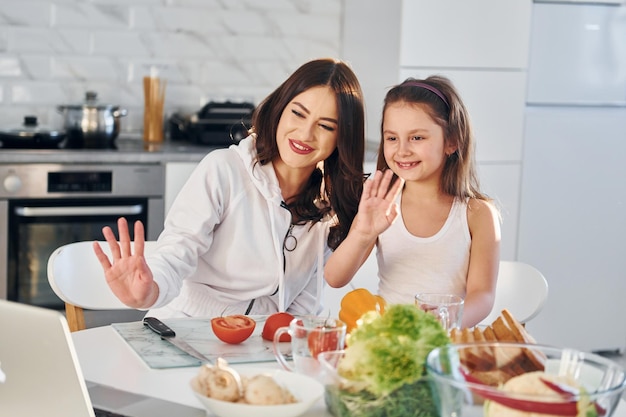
58, 181
80, 182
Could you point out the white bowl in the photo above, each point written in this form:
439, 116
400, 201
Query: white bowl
306, 390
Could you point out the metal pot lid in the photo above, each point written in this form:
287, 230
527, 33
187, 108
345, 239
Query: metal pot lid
30, 128
91, 102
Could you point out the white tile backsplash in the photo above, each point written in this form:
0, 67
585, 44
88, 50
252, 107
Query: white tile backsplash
81, 14
78, 41
25, 13
173, 19
30, 92
116, 44
3, 38
35, 66
86, 68
52, 52
10, 66
38, 40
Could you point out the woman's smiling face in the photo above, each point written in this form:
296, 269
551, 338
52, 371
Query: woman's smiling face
307, 129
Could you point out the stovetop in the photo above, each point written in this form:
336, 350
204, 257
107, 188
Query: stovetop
128, 149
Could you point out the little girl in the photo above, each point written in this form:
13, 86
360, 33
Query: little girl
447, 235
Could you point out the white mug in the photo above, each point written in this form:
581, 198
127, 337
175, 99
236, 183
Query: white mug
448, 308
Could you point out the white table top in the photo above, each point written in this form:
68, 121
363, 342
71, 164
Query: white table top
106, 358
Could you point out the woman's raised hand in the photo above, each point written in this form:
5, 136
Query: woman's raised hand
378, 208
127, 273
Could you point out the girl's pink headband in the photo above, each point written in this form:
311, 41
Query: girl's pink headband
429, 88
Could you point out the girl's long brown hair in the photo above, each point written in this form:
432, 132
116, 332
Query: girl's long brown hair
459, 177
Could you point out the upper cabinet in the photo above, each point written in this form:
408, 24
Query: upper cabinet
590, 68
465, 34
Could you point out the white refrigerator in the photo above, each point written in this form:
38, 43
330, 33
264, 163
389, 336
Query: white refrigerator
572, 223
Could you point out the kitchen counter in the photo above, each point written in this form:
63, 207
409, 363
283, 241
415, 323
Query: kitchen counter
129, 150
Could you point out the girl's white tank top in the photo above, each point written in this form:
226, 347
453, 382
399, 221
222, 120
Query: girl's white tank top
408, 264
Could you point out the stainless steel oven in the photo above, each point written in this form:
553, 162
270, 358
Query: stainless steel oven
43, 206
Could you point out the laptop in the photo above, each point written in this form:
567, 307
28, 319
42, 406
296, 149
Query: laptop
40, 374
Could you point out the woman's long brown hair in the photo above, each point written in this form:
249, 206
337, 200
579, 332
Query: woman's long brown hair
342, 175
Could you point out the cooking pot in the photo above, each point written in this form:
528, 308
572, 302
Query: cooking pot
31, 135
90, 124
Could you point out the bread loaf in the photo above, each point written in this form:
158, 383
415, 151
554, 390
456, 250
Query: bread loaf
495, 365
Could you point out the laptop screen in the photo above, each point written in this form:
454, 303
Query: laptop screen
42, 376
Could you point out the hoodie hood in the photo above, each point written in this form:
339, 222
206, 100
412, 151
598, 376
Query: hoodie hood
263, 176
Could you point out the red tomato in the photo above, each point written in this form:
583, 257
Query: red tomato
272, 324
322, 340
233, 329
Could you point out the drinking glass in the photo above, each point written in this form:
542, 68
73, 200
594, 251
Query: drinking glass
310, 335
448, 308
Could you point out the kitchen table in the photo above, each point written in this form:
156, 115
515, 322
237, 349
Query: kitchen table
106, 358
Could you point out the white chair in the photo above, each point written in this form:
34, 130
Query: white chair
77, 278
521, 289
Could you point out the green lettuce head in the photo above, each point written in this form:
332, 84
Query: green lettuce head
387, 351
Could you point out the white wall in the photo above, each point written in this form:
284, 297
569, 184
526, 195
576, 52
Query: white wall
52, 51
371, 44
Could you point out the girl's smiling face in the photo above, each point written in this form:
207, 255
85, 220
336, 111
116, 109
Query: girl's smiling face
307, 129
413, 144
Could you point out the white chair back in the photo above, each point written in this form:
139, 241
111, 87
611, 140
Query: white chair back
77, 278
522, 289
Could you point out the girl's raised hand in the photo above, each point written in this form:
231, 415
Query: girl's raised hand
127, 273
378, 208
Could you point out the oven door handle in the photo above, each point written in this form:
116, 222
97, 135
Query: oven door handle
79, 211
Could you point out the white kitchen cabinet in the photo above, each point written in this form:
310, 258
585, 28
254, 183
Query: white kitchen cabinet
176, 174
501, 181
572, 223
465, 34
573, 193
590, 68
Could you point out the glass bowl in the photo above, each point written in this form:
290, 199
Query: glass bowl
520, 380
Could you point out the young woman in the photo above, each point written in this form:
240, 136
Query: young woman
434, 229
251, 229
